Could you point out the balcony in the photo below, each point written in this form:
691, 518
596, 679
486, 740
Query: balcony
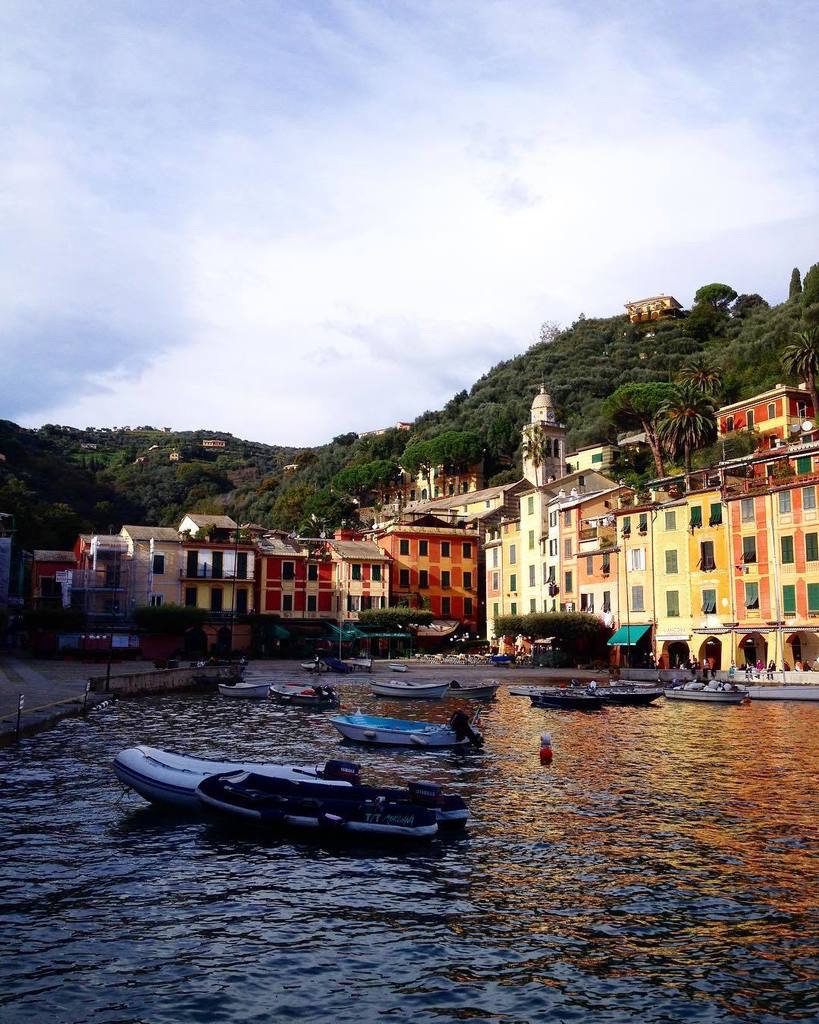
205, 572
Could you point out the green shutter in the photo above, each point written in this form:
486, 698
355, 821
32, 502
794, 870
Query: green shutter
671, 562
696, 515
709, 601
715, 518
673, 603
813, 597
787, 550
789, 599
804, 464
812, 547
597, 457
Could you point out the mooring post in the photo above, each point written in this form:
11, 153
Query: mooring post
21, 700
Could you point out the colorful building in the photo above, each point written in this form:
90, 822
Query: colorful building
658, 307
155, 555
781, 415
435, 566
217, 568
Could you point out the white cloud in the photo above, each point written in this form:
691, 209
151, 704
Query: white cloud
290, 228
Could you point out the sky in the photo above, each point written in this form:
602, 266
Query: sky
291, 220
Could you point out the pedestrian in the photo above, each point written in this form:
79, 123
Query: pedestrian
771, 668
749, 670
732, 671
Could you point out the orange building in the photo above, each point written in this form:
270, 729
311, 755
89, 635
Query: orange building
434, 566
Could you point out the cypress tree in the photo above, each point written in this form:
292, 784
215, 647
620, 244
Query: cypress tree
796, 284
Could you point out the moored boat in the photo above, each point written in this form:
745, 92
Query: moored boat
165, 777
408, 688
280, 802
628, 696
714, 693
478, 690
246, 690
395, 667
796, 691
568, 698
400, 732
315, 696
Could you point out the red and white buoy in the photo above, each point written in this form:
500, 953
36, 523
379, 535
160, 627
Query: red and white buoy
545, 748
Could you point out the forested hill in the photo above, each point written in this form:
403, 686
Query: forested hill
59, 480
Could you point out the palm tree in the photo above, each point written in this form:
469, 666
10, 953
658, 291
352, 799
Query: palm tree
537, 446
686, 421
801, 358
702, 374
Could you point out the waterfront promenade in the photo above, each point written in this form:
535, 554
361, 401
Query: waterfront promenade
54, 689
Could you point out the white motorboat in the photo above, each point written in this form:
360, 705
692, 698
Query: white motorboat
716, 693
479, 690
526, 691
361, 664
163, 776
395, 667
408, 688
246, 690
399, 732
315, 696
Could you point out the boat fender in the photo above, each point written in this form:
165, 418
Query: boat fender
546, 748
370, 734
419, 741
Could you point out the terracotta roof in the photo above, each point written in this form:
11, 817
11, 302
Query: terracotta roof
42, 555
362, 550
152, 532
274, 544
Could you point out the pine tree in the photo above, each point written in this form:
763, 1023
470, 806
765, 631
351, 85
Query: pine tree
796, 284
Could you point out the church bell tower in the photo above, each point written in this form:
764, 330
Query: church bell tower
544, 443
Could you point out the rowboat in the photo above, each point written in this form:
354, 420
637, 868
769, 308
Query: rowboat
164, 777
408, 688
315, 696
628, 696
399, 732
485, 690
251, 690
715, 693
280, 802
568, 698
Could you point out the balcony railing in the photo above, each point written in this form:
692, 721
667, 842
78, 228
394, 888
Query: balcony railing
205, 572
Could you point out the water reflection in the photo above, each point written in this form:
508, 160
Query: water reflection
664, 865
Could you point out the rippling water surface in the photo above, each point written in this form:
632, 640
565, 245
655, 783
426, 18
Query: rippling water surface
665, 867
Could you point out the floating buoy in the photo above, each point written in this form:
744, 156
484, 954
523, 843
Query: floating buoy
546, 748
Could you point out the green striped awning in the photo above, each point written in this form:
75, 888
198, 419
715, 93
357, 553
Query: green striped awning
627, 636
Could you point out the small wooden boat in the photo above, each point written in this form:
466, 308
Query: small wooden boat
396, 667
361, 664
409, 688
247, 690
796, 691
165, 777
628, 696
485, 690
316, 696
314, 666
526, 691
337, 665
399, 732
714, 692
570, 698
279, 802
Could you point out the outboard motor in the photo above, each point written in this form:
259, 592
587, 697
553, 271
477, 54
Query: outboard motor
463, 730
344, 771
428, 794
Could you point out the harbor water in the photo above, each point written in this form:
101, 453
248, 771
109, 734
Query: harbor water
663, 868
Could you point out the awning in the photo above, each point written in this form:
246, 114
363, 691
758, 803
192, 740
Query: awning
672, 638
347, 632
279, 632
387, 636
627, 636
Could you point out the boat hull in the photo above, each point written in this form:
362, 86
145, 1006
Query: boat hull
478, 691
279, 803
396, 732
164, 777
428, 691
708, 696
245, 691
301, 696
568, 701
629, 698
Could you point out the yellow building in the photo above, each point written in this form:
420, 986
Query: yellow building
599, 457
658, 307
156, 552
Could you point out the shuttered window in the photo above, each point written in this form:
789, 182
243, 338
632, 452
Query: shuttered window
789, 599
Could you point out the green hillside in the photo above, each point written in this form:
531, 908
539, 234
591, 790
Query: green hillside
60, 480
